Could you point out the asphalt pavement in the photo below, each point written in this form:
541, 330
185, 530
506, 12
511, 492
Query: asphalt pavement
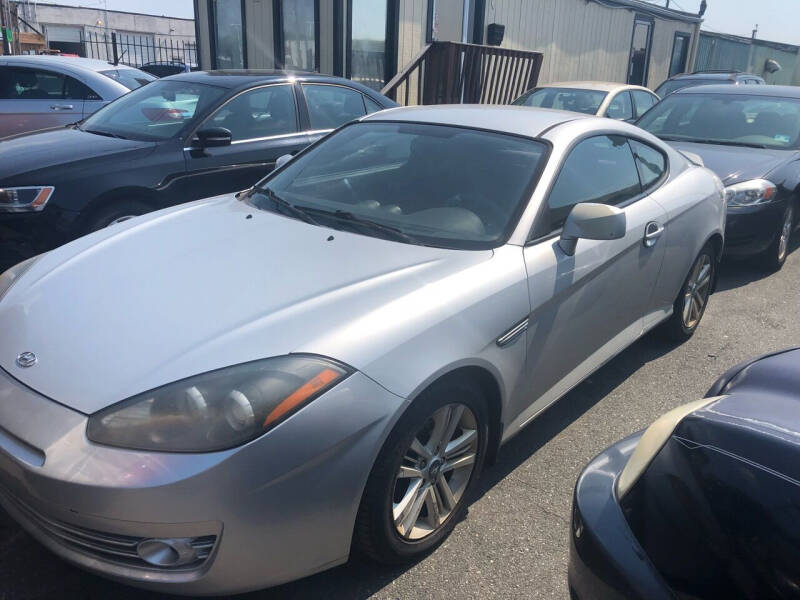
513, 542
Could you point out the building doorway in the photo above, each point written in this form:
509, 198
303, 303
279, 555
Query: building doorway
640, 50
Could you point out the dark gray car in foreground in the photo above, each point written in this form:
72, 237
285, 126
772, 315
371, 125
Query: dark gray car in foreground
705, 503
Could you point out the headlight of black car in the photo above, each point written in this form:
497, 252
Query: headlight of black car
751, 193
25, 199
217, 410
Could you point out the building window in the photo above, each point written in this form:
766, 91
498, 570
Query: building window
680, 54
299, 19
228, 24
370, 52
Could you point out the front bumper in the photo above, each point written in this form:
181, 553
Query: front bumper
606, 561
751, 229
276, 509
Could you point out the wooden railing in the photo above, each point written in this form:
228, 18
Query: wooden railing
454, 73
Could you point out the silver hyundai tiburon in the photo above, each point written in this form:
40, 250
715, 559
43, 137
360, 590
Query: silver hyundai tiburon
237, 392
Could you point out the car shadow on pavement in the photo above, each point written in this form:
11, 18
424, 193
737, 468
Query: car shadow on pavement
738, 272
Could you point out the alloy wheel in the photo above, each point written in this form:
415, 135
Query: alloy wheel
697, 291
786, 233
435, 471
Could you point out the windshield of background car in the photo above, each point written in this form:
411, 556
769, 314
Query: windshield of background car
575, 100
157, 111
674, 85
130, 78
444, 186
726, 118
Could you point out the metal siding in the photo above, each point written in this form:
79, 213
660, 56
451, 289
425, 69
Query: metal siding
260, 46
788, 61
204, 42
661, 53
413, 23
720, 53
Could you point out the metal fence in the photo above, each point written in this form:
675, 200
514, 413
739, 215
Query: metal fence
136, 50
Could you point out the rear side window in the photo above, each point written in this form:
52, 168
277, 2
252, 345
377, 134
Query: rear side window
650, 162
330, 106
371, 105
17, 83
620, 107
642, 102
599, 169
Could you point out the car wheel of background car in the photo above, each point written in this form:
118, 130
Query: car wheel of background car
116, 212
774, 256
690, 305
424, 474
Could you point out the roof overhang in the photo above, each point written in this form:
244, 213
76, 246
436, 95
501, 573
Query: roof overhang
651, 9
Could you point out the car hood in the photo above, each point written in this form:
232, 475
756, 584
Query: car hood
733, 164
199, 287
30, 154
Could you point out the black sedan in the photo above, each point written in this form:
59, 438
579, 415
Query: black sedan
181, 138
750, 137
705, 503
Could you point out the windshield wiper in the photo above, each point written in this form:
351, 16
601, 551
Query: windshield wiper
669, 138
388, 230
284, 206
105, 133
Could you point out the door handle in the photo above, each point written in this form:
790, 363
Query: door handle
652, 232
61, 106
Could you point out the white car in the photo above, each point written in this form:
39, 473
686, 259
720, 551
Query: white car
600, 98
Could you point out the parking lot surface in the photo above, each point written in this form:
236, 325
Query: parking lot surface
514, 540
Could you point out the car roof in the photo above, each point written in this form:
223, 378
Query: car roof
91, 64
239, 78
601, 86
775, 91
714, 75
521, 120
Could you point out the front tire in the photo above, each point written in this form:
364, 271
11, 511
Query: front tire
774, 256
690, 305
424, 475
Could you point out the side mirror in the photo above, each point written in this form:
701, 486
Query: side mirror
214, 137
592, 222
282, 160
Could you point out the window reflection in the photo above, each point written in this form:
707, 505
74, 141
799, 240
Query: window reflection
228, 37
368, 55
298, 35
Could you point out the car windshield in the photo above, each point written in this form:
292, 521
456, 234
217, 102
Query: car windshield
575, 100
157, 111
130, 78
729, 119
673, 85
429, 184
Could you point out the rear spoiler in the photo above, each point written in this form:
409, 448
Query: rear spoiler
692, 158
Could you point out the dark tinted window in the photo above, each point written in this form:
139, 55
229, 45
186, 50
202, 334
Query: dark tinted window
372, 106
330, 106
228, 34
445, 186
650, 162
727, 118
575, 100
36, 84
258, 113
620, 107
299, 41
642, 102
600, 169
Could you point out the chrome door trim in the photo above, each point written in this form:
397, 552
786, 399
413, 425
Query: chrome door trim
513, 333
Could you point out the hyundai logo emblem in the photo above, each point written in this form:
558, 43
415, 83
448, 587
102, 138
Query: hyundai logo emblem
26, 359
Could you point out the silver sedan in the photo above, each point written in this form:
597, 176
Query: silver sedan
234, 393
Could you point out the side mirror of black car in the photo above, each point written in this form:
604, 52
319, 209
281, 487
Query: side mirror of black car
214, 137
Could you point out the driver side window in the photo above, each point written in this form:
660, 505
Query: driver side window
258, 113
599, 169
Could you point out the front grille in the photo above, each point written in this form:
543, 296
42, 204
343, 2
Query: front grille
109, 547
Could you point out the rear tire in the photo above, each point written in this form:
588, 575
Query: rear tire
387, 528
774, 257
690, 305
115, 212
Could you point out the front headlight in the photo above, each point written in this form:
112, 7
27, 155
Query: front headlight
750, 193
653, 440
217, 410
25, 199
11, 276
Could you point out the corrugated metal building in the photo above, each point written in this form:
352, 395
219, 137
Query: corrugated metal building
719, 51
371, 40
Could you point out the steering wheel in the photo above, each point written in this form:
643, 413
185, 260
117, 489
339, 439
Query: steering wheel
492, 215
